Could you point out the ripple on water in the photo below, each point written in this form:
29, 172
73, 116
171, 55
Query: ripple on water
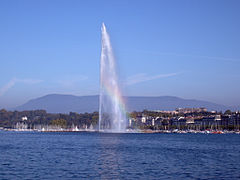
118, 156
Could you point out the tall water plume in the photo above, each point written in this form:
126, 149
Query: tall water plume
112, 113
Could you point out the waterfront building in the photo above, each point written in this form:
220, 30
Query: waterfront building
143, 119
24, 118
191, 110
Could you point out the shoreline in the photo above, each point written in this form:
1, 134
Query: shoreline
147, 131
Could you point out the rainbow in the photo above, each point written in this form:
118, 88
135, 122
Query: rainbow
115, 95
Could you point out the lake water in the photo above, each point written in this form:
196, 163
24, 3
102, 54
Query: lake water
35, 155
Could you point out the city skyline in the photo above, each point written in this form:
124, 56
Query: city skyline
188, 49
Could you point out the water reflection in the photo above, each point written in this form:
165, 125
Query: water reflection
109, 156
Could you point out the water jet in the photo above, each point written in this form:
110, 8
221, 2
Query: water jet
112, 112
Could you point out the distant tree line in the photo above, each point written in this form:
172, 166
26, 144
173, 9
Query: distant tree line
8, 119
153, 119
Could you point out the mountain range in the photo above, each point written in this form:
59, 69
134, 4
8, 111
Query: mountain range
58, 103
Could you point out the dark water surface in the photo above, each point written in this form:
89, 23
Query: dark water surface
32, 155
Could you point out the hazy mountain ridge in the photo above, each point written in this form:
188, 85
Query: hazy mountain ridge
57, 103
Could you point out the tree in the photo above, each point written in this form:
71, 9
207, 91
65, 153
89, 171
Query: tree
229, 112
59, 122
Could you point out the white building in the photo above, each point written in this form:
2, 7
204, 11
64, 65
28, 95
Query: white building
24, 118
144, 119
153, 121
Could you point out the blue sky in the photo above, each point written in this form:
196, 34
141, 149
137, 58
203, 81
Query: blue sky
189, 49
